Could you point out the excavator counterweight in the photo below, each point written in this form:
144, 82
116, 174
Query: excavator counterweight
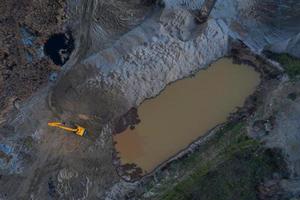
79, 130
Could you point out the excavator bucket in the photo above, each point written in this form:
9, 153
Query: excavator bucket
80, 131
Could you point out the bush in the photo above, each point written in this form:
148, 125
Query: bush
291, 64
292, 96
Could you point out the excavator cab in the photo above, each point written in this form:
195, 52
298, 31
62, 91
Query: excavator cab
78, 130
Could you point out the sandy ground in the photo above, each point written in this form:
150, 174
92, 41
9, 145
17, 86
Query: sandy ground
39, 162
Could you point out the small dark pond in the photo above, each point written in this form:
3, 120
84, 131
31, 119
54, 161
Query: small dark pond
58, 47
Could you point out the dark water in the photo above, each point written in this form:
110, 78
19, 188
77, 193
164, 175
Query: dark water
60, 42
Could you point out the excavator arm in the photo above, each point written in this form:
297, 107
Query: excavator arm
78, 130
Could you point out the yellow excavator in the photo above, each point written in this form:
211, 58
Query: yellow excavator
78, 130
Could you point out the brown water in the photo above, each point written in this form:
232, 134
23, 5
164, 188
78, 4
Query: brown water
185, 110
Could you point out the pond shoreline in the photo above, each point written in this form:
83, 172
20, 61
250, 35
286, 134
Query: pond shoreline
240, 55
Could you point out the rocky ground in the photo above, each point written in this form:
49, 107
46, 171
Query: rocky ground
125, 52
25, 26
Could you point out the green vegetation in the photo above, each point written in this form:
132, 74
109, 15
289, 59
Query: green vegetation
231, 167
291, 64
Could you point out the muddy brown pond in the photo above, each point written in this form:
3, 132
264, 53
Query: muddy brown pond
184, 111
